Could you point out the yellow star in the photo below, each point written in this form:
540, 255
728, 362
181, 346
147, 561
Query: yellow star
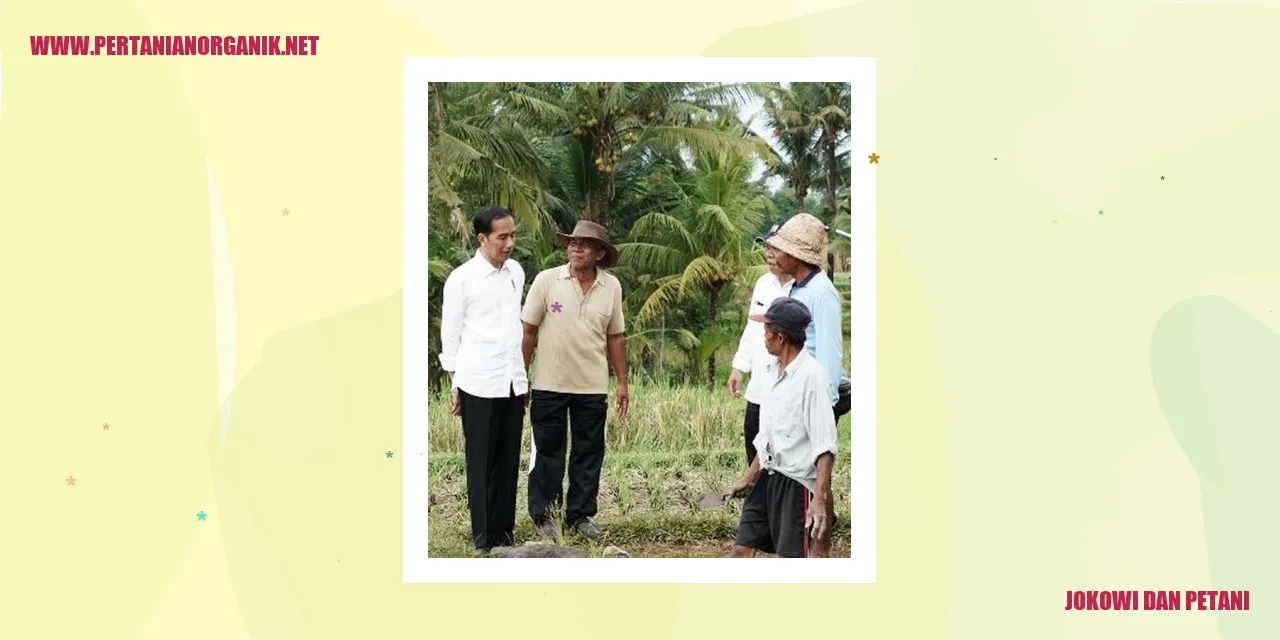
106, 427
875, 159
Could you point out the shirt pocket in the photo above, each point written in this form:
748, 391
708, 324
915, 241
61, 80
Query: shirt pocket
598, 314
792, 418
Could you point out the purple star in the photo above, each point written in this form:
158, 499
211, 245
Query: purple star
555, 307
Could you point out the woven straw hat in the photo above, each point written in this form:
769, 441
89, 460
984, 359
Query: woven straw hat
803, 237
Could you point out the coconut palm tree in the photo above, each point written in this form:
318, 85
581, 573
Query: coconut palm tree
830, 123
811, 126
613, 124
794, 144
699, 251
479, 154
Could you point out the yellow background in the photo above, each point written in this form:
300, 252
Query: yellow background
1043, 333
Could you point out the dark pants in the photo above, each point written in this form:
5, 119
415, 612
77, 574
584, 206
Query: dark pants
491, 428
556, 416
774, 515
751, 427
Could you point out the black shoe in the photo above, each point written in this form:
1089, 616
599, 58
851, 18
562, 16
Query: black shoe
588, 529
546, 528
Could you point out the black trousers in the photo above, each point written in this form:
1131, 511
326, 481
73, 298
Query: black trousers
751, 427
491, 428
557, 418
773, 517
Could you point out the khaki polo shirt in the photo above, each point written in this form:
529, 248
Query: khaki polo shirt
571, 352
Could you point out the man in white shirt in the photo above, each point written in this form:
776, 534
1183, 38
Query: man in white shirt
481, 349
752, 357
788, 486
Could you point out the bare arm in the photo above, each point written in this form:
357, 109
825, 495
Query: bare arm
825, 462
822, 510
743, 486
616, 344
529, 342
618, 357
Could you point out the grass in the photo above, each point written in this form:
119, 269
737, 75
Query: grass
677, 443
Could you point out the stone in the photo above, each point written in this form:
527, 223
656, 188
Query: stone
711, 500
535, 550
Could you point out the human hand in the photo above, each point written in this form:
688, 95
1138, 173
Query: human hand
624, 399
735, 384
457, 404
818, 526
742, 487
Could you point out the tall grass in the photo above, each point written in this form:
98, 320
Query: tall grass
676, 444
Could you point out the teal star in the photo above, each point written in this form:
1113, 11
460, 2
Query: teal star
200, 516
389, 454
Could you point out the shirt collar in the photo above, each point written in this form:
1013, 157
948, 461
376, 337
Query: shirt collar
567, 274
489, 265
802, 283
787, 370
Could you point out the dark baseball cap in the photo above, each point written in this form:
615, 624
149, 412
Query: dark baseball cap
770, 233
788, 315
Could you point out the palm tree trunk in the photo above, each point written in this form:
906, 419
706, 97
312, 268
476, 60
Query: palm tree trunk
661, 337
711, 321
597, 209
436, 91
831, 178
600, 186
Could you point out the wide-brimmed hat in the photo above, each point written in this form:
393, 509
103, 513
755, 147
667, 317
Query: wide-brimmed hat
587, 230
802, 237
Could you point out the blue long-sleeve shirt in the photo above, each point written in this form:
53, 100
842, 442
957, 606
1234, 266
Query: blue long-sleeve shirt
824, 338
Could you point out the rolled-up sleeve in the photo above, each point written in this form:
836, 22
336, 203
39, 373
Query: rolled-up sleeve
454, 308
820, 420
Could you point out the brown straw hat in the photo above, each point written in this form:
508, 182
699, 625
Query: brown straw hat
802, 237
587, 230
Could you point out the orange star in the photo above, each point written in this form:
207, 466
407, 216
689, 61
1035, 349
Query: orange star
875, 159
71, 481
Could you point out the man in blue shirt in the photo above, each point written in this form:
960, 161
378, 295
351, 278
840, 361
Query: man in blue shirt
799, 249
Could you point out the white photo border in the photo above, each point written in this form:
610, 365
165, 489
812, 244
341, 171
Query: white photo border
861, 566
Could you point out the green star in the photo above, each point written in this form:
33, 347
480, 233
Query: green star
1099, 211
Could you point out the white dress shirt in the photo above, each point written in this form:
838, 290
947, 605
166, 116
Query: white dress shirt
480, 328
752, 357
796, 422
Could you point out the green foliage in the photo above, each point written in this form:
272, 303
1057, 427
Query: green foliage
666, 167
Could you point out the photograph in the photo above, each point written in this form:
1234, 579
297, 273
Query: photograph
639, 316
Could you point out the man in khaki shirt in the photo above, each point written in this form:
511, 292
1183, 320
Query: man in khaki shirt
573, 324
